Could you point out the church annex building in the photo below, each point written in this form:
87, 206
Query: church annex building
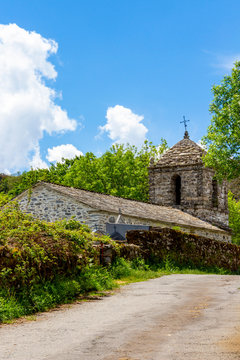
183, 193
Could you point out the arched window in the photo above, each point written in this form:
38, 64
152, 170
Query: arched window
214, 193
177, 190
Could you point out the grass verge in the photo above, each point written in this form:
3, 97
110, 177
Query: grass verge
93, 280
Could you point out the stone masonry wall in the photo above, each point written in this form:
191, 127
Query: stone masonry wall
196, 191
162, 185
51, 206
196, 251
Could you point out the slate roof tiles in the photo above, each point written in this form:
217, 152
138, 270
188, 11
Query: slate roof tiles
128, 207
185, 152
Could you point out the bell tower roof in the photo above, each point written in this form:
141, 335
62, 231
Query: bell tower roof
185, 152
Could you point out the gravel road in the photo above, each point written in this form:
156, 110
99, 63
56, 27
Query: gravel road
190, 317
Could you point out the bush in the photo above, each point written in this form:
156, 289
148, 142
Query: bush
34, 251
120, 268
234, 218
41, 297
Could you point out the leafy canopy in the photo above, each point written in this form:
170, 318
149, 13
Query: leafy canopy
234, 217
120, 171
223, 136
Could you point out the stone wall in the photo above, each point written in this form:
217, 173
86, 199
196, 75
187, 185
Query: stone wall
185, 249
196, 191
51, 205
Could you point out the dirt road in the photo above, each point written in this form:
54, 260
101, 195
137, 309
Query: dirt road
190, 317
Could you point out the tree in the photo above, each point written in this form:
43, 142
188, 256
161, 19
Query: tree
120, 171
223, 136
234, 218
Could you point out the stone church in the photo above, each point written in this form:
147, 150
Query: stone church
183, 193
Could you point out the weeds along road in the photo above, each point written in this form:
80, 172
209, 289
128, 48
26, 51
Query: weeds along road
175, 317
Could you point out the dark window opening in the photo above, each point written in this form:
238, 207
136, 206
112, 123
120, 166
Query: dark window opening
214, 193
178, 190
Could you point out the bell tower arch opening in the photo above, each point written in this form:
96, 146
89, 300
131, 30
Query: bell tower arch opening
214, 193
177, 187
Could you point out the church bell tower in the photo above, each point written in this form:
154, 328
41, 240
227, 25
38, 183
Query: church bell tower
179, 179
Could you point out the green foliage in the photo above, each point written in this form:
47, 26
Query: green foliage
121, 171
4, 199
41, 297
34, 251
44, 264
234, 187
178, 228
234, 218
7, 182
27, 179
134, 270
223, 137
95, 278
121, 268
62, 289
169, 265
10, 307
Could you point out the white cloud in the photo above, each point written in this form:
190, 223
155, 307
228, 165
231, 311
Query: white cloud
37, 162
6, 172
57, 153
226, 62
27, 107
123, 126
202, 145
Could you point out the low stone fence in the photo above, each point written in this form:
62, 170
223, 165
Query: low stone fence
107, 252
185, 249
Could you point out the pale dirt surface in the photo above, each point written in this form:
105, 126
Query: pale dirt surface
190, 317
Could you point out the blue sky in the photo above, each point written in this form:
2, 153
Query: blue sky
145, 61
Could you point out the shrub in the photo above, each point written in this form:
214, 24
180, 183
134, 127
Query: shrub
34, 251
120, 268
234, 218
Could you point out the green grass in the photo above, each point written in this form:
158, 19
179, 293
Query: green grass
42, 297
126, 272
93, 282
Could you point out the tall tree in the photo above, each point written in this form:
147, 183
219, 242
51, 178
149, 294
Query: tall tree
120, 171
223, 136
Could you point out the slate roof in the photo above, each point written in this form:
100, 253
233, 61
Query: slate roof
128, 207
185, 152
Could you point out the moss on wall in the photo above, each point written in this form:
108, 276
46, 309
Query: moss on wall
185, 248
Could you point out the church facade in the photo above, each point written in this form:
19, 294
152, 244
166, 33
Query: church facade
183, 193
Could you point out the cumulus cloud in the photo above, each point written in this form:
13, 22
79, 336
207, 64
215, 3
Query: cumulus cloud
57, 153
37, 162
123, 126
27, 107
202, 145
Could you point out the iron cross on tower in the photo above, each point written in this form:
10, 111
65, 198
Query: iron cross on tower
186, 136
